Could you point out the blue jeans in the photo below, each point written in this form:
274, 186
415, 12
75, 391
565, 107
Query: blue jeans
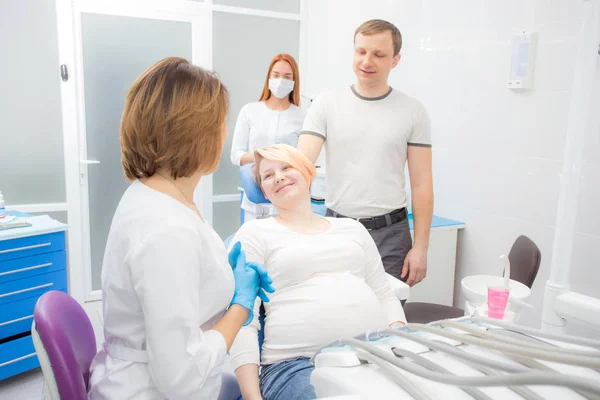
287, 380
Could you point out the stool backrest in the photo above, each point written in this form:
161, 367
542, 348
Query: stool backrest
65, 343
525, 258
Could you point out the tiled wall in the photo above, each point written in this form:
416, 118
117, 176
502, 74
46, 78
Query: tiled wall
497, 154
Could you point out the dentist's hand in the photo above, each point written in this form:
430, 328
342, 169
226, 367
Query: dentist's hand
251, 280
238, 257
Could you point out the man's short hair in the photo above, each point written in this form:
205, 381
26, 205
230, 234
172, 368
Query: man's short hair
374, 26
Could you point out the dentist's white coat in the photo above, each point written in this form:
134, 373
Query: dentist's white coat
165, 282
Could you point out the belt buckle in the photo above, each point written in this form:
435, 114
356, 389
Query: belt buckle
360, 219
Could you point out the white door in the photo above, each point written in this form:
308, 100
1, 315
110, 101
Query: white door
108, 46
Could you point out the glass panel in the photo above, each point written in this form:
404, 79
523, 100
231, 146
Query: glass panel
116, 50
242, 62
288, 6
31, 141
226, 218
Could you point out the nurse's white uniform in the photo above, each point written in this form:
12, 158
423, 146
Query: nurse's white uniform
165, 282
257, 126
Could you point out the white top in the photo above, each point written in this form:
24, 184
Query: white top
259, 126
327, 285
165, 282
366, 145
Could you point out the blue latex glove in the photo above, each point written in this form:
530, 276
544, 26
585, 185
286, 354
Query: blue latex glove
251, 280
265, 280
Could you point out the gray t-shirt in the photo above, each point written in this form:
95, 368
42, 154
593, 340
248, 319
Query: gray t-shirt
366, 142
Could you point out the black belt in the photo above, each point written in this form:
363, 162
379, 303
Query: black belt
381, 221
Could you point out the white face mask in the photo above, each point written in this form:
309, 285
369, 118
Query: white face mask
280, 87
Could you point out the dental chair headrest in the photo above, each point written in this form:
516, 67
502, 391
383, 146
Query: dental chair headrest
253, 192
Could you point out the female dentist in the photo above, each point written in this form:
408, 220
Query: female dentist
166, 281
275, 118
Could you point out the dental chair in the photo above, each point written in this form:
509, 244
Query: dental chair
266, 210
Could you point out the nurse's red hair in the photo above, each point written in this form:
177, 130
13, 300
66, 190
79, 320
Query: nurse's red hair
294, 95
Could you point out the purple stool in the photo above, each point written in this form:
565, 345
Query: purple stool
65, 344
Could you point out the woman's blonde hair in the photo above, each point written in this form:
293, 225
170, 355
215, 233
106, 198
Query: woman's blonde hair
294, 95
284, 153
173, 119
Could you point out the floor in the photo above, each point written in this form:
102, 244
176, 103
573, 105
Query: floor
30, 385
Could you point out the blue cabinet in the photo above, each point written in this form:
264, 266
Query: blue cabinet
33, 261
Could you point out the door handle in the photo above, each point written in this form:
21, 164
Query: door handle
82, 170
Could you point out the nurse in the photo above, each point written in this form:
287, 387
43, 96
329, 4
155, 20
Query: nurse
275, 118
172, 304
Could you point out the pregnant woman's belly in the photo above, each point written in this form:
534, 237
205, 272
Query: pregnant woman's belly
304, 317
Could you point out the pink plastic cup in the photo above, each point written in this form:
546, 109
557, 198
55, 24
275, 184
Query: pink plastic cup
497, 299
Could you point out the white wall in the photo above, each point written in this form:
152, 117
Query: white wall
497, 154
585, 274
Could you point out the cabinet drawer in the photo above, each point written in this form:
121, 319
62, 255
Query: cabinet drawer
31, 245
16, 317
17, 356
31, 287
34, 265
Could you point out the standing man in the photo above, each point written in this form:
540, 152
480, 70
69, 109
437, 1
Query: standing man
370, 131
